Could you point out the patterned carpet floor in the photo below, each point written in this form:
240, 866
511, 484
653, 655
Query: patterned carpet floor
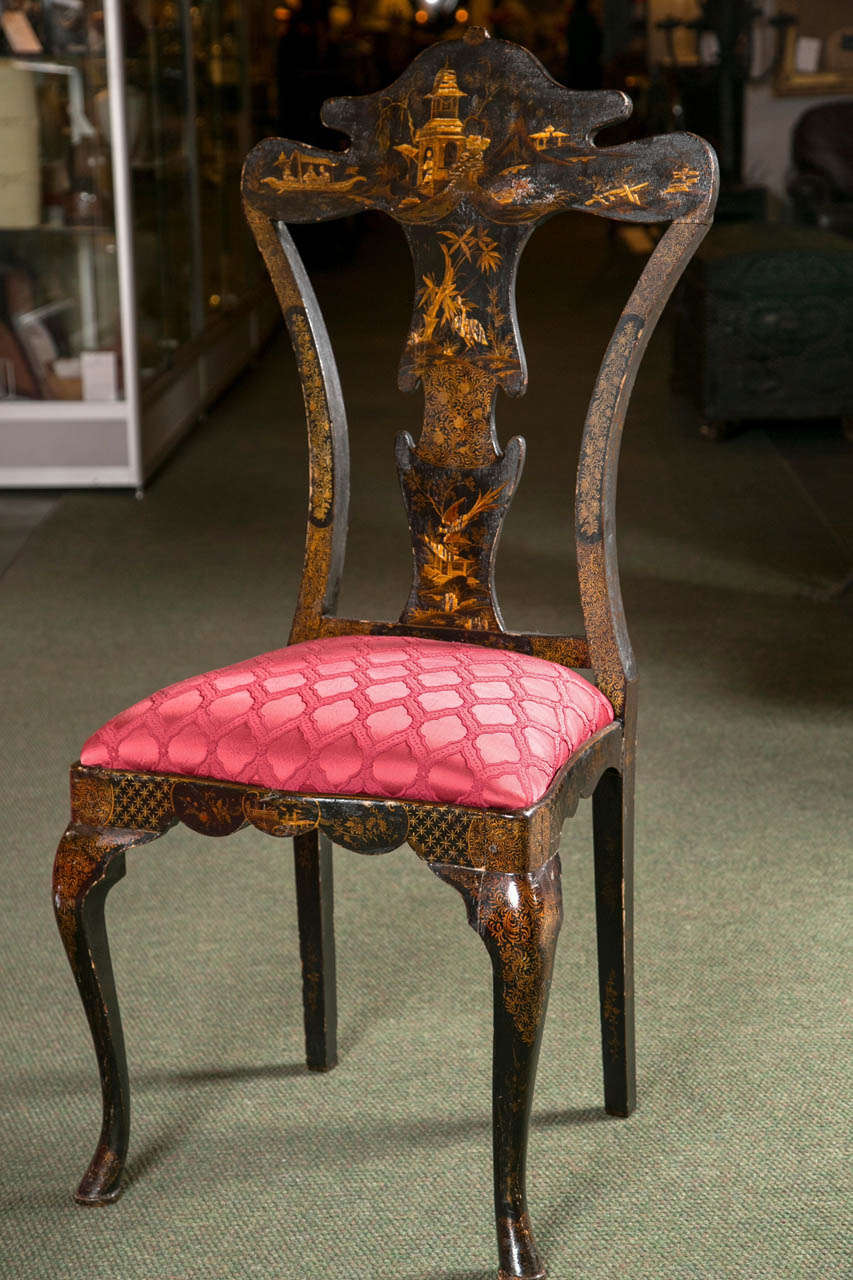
244, 1165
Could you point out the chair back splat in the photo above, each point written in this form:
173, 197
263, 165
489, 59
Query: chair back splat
469, 150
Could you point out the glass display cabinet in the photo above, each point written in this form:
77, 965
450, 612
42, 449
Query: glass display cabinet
130, 293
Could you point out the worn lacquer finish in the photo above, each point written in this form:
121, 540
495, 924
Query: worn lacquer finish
328, 443
613, 840
518, 918
312, 852
89, 861
455, 515
611, 656
488, 839
469, 150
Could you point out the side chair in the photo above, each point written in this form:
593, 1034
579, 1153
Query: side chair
442, 730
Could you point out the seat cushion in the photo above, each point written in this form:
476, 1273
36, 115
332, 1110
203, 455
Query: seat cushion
367, 715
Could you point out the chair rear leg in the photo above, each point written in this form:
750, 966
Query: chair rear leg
613, 836
314, 903
88, 863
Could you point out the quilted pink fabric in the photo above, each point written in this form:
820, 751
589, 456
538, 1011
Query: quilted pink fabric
367, 715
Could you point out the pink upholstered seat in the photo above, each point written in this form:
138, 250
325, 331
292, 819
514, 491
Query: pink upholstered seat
367, 715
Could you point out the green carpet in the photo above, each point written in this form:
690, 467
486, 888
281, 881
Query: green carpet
244, 1165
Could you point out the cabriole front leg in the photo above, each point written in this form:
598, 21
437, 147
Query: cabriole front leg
88, 863
518, 917
519, 920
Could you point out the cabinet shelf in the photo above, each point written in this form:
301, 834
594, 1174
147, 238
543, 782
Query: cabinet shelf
61, 228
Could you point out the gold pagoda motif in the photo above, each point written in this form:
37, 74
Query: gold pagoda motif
440, 146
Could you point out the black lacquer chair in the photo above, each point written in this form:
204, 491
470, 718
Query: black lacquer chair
442, 730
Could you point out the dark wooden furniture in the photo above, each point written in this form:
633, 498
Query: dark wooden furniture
472, 147
764, 326
821, 185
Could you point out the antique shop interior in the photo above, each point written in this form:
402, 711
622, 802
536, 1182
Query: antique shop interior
154, 481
